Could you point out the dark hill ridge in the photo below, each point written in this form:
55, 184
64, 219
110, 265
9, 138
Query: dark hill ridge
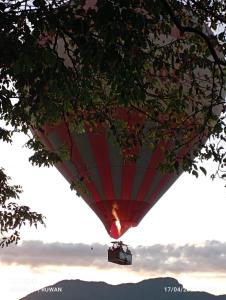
150, 289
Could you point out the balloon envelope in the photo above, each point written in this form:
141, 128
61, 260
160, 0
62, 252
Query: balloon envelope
120, 191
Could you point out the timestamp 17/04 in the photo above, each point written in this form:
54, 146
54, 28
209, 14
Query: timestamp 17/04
175, 289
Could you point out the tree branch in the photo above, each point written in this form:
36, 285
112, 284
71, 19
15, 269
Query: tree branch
193, 30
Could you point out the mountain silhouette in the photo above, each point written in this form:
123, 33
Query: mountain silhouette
150, 289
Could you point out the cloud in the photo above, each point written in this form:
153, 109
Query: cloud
208, 258
37, 253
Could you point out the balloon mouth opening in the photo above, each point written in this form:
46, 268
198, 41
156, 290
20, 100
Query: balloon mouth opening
115, 230
118, 228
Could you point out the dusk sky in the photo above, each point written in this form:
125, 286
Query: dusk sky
182, 236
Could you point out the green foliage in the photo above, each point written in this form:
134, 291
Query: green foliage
41, 156
79, 186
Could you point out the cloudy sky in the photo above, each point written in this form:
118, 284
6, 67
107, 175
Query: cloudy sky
205, 258
183, 235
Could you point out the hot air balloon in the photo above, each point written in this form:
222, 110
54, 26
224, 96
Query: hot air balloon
118, 190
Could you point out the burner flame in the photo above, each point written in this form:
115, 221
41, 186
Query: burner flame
115, 215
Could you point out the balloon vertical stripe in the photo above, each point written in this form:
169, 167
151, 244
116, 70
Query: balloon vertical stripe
100, 151
84, 147
128, 175
116, 163
142, 164
154, 162
163, 184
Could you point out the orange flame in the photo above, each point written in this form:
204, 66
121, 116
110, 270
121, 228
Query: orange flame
115, 215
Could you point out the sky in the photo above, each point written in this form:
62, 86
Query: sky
182, 236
